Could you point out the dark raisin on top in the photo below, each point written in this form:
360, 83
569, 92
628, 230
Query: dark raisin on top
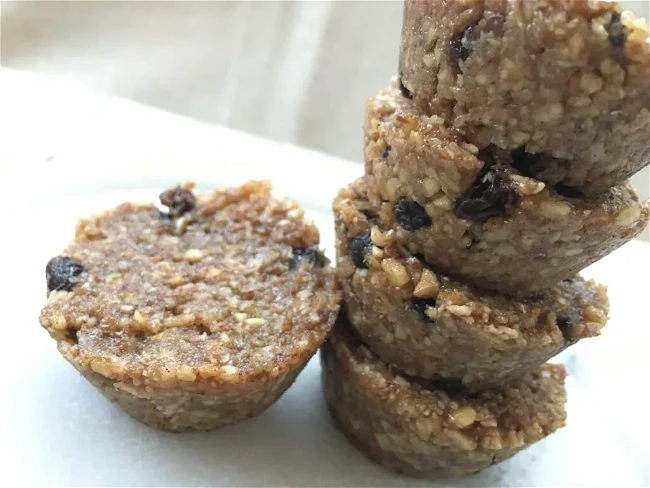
568, 191
60, 273
420, 306
358, 247
491, 195
535, 164
179, 201
531, 164
311, 255
617, 31
405, 91
386, 151
411, 215
565, 323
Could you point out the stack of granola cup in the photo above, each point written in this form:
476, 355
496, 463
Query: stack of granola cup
495, 172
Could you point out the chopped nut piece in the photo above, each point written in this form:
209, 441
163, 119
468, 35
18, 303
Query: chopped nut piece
396, 272
255, 322
464, 417
194, 255
428, 285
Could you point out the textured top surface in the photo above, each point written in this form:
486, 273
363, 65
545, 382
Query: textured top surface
565, 79
575, 307
228, 285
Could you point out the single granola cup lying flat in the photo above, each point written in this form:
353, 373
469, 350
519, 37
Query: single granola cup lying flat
438, 328
196, 317
475, 215
418, 429
566, 83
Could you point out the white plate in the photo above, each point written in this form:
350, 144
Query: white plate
55, 429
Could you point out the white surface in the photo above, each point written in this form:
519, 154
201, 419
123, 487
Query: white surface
65, 153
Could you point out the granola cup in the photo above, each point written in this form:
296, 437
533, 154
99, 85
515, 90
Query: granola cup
473, 213
565, 81
418, 430
197, 317
430, 325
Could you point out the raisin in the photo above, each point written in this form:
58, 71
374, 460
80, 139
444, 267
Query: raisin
309, 255
490, 195
565, 323
617, 31
568, 191
495, 156
178, 200
530, 164
420, 306
386, 152
358, 247
405, 91
60, 273
411, 215
460, 47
